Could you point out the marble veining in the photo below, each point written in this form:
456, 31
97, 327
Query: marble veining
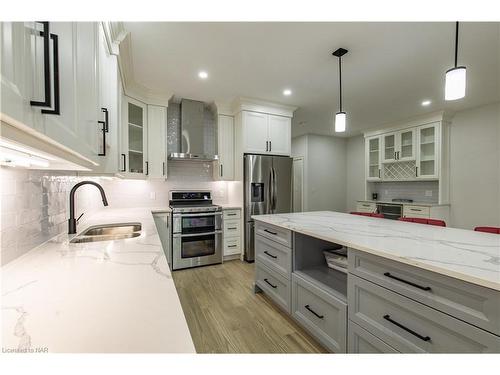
463, 254
100, 297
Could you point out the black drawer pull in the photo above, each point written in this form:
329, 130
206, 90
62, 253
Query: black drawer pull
232, 245
270, 255
273, 286
46, 67
231, 214
124, 163
268, 231
232, 228
423, 338
147, 168
416, 209
427, 288
314, 312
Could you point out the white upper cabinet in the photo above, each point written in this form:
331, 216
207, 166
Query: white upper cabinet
157, 142
389, 147
398, 146
134, 141
372, 153
255, 132
266, 134
280, 135
428, 151
224, 167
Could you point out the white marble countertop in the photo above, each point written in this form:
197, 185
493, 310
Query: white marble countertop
463, 254
102, 297
425, 204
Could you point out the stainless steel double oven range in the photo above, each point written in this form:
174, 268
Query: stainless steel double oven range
196, 229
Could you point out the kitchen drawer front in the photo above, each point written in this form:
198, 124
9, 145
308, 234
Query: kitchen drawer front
232, 228
232, 245
323, 315
231, 214
472, 303
416, 211
366, 207
363, 342
411, 327
274, 285
281, 235
273, 255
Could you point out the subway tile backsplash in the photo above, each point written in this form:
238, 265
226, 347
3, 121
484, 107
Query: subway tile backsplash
419, 191
34, 204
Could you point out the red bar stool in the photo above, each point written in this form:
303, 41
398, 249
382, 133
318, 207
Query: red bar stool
493, 230
369, 214
418, 220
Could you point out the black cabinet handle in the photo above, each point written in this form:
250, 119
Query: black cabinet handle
423, 338
273, 286
57, 94
232, 228
147, 168
163, 168
268, 231
46, 67
314, 312
426, 288
106, 118
270, 145
270, 255
416, 171
415, 209
231, 245
221, 171
103, 153
267, 146
124, 163
379, 173
231, 214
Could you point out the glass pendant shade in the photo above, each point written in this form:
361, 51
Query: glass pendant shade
455, 83
340, 122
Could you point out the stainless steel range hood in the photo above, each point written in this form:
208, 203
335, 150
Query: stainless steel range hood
197, 137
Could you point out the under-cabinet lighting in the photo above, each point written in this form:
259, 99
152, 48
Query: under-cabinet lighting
15, 158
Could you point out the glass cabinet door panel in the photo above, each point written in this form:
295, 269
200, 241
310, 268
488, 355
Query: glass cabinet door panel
135, 138
373, 157
427, 159
407, 145
389, 146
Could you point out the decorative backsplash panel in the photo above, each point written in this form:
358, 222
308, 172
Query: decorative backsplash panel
419, 191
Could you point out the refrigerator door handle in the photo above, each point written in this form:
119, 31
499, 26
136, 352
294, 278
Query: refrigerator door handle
269, 200
275, 189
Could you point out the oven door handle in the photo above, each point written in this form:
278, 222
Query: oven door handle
177, 235
218, 213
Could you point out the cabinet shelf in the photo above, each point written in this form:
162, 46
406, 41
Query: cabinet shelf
135, 125
333, 281
135, 151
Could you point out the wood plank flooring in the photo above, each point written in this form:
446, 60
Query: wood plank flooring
225, 316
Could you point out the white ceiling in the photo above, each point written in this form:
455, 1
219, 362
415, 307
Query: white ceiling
389, 70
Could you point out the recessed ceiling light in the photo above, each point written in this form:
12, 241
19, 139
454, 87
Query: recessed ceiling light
287, 92
425, 103
203, 75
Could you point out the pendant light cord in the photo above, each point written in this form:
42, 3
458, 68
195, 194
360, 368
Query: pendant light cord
340, 82
456, 45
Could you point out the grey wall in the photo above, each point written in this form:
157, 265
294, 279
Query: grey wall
355, 171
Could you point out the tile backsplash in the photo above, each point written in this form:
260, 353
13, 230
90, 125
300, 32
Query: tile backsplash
34, 204
419, 191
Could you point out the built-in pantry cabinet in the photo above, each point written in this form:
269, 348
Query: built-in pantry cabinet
266, 134
224, 166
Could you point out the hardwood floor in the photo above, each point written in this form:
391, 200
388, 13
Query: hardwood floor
225, 316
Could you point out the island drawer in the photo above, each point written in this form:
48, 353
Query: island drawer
232, 228
416, 211
474, 304
368, 207
273, 255
411, 327
231, 214
323, 315
280, 235
363, 342
274, 285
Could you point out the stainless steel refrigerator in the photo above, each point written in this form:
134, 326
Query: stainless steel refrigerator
267, 190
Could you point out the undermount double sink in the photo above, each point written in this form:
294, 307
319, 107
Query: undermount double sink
109, 232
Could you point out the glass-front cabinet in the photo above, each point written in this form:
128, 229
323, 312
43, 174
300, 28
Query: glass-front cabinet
134, 138
427, 164
373, 171
389, 147
406, 145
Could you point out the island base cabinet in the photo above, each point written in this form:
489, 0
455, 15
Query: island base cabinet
363, 342
323, 315
274, 285
411, 327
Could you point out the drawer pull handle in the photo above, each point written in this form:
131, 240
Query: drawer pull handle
423, 338
231, 214
232, 228
231, 245
427, 288
268, 231
415, 209
273, 286
314, 312
270, 255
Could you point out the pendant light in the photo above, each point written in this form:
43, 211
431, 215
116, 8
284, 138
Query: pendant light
340, 116
455, 77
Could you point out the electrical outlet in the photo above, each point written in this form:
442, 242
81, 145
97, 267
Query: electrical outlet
152, 195
428, 193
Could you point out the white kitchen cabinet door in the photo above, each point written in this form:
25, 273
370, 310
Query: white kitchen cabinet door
428, 151
389, 147
157, 142
134, 138
279, 135
373, 152
255, 132
224, 168
406, 145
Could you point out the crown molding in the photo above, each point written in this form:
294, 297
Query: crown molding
259, 105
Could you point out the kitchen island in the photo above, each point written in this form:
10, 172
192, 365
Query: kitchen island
95, 297
402, 279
